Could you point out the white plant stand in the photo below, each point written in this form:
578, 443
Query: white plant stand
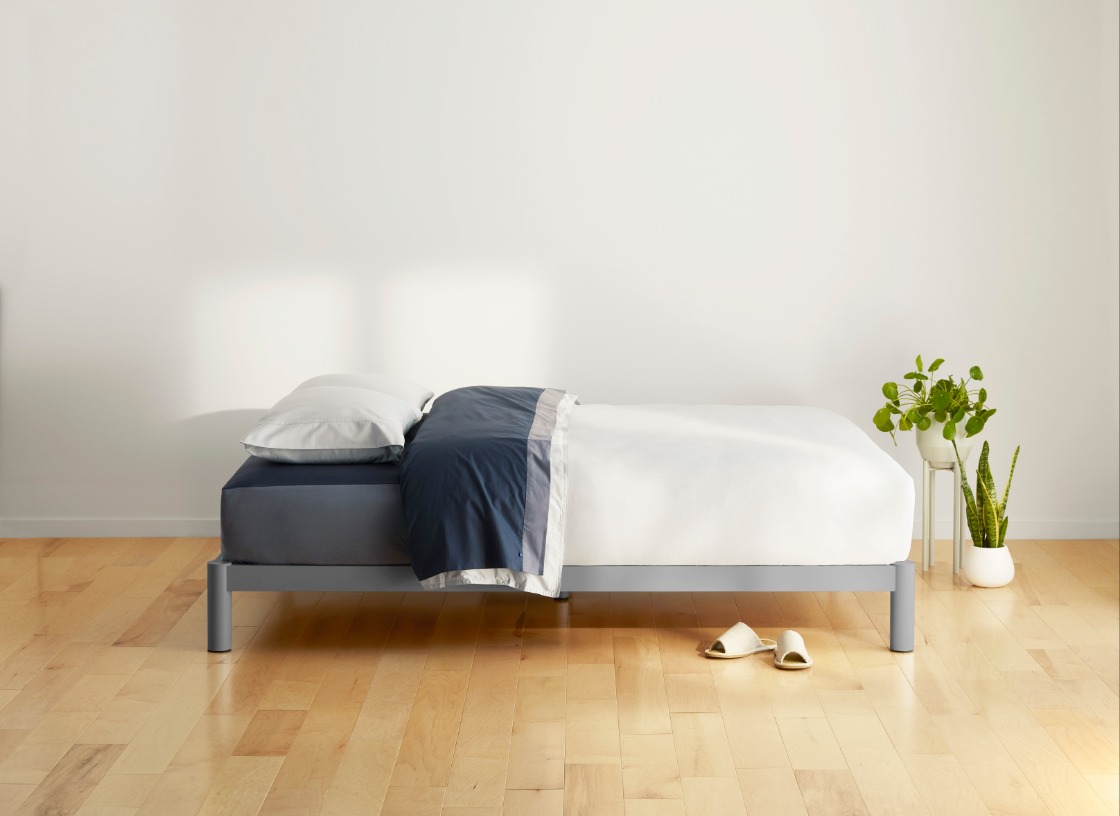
929, 492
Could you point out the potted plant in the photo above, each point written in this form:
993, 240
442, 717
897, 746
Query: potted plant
987, 562
936, 408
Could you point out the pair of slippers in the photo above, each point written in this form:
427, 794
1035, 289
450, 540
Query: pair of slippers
740, 640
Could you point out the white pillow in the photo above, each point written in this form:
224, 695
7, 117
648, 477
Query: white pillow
410, 392
332, 424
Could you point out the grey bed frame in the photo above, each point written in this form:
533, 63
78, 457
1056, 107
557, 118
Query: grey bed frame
223, 578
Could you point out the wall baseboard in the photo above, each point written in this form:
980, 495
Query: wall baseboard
109, 528
209, 528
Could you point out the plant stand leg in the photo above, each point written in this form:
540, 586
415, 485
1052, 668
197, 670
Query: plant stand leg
902, 607
956, 519
925, 516
219, 608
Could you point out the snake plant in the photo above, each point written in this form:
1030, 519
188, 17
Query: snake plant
987, 516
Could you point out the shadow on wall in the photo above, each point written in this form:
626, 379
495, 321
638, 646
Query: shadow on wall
207, 450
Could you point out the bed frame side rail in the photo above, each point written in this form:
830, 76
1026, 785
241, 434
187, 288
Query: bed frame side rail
223, 578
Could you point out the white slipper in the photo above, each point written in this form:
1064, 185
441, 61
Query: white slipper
739, 641
791, 652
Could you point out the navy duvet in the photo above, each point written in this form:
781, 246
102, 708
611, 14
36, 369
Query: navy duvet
483, 484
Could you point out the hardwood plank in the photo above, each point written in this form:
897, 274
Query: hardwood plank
593, 789
270, 733
540, 697
161, 736
413, 801
536, 756
691, 693
591, 732
241, 787
771, 790
475, 783
533, 803
810, 744
827, 792
291, 802
187, 782
706, 795
426, 750
317, 749
163, 613
944, 786
361, 780
71, 781
702, 746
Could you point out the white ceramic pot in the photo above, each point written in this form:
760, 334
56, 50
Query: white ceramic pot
938, 450
988, 566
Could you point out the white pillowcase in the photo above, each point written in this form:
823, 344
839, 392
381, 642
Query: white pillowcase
334, 424
410, 392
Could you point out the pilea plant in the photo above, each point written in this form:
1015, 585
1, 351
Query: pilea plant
987, 517
920, 400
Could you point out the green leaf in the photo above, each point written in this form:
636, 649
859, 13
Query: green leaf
970, 510
976, 373
950, 430
925, 409
939, 416
913, 415
983, 395
894, 409
890, 390
959, 414
974, 426
919, 387
991, 519
924, 423
910, 375
904, 423
940, 400
918, 362
936, 364
1007, 490
1003, 531
883, 421
921, 377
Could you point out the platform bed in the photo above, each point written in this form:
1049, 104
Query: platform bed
494, 490
223, 578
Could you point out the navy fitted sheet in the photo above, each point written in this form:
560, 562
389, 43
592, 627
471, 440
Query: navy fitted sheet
276, 513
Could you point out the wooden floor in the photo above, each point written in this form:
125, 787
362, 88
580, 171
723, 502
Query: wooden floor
494, 704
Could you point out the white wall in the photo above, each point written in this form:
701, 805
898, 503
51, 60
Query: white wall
202, 203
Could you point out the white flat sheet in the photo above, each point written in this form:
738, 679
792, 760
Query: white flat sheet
730, 484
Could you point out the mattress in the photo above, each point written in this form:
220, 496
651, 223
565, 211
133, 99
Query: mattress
647, 485
313, 514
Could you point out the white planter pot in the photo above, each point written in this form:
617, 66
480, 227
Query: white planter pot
938, 450
988, 566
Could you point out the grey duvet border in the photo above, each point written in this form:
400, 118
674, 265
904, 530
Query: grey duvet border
223, 578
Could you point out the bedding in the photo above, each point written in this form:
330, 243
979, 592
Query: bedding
731, 484
647, 484
313, 514
483, 488
333, 424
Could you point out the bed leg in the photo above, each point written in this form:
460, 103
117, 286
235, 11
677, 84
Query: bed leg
219, 608
902, 607
563, 596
